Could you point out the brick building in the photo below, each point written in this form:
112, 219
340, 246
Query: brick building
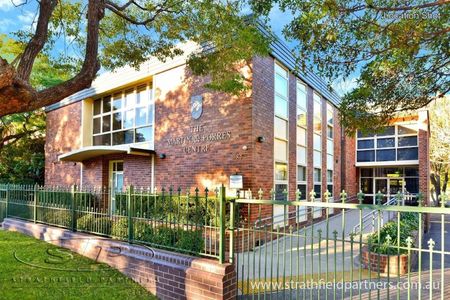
158, 126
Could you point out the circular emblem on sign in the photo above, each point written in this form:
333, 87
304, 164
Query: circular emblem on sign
196, 107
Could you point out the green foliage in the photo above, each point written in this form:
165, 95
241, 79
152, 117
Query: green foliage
86, 222
409, 223
120, 229
57, 217
400, 49
22, 136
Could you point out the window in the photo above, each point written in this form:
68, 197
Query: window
317, 114
281, 171
302, 107
281, 92
123, 118
330, 161
394, 143
281, 128
301, 173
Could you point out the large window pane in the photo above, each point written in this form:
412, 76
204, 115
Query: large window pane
280, 171
388, 130
280, 128
301, 155
330, 147
117, 101
106, 123
302, 189
97, 107
365, 134
280, 192
117, 121
366, 172
107, 104
329, 176
317, 140
386, 143
142, 96
280, 150
130, 98
318, 190
144, 134
141, 116
330, 132
317, 175
301, 117
386, 155
281, 107
367, 185
301, 136
301, 173
281, 85
365, 156
412, 185
407, 154
317, 157
412, 172
365, 144
301, 96
128, 119
102, 140
330, 162
407, 141
407, 129
97, 122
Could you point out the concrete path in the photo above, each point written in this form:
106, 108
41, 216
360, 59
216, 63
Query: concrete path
286, 255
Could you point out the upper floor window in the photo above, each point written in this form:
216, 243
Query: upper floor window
281, 92
302, 107
394, 143
317, 114
124, 117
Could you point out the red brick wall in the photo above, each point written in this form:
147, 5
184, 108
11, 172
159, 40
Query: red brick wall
424, 164
221, 114
62, 136
338, 151
350, 182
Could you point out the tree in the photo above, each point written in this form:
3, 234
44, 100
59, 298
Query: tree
440, 146
117, 33
22, 135
401, 49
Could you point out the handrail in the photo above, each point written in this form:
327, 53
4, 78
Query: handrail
295, 215
371, 216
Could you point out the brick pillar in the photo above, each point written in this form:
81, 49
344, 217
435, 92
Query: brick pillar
337, 188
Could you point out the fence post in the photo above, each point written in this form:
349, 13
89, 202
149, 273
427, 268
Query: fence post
222, 225
130, 208
72, 208
35, 198
232, 230
7, 201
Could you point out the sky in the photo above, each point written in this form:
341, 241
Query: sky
15, 16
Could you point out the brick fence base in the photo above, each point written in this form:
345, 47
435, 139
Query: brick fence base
167, 275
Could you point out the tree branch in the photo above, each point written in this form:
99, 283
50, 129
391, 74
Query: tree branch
38, 40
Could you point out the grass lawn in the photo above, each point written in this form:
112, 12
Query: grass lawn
33, 269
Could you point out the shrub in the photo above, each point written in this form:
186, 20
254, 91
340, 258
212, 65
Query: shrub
103, 225
120, 229
409, 222
85, 222
190, 240
57, 217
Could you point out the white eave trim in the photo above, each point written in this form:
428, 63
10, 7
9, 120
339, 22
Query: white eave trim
95, 151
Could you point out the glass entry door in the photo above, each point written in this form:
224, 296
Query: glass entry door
381, 185
395, 186
116, 181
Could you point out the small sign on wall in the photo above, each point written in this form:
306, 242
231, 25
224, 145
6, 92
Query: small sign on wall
236, 182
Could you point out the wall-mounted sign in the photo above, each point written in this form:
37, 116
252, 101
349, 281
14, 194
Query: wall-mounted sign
236, 182
196, 106
198, 140
393, 175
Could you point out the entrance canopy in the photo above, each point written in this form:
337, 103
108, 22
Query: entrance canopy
94, 151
